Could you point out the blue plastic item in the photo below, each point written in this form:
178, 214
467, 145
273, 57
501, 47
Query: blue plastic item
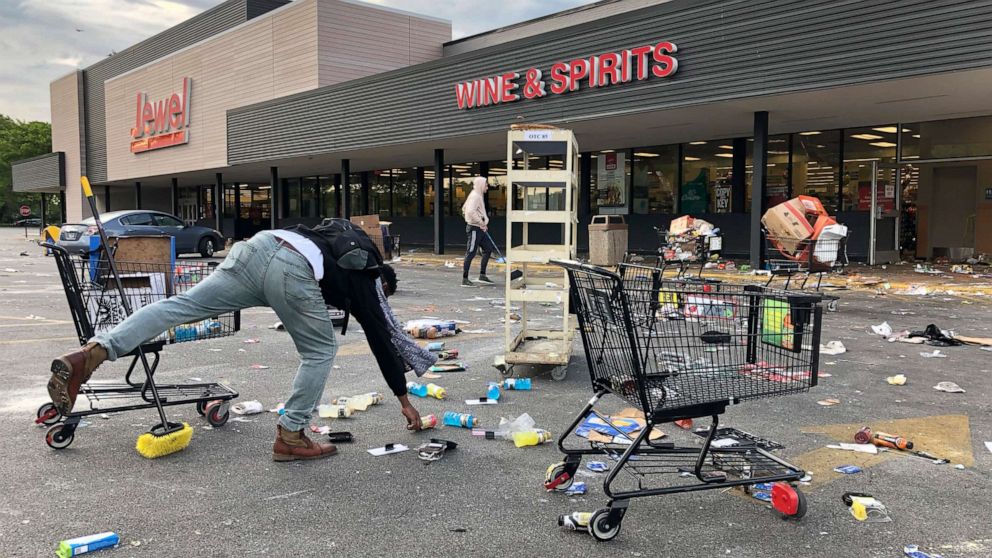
463, 420
420, 390
519, 384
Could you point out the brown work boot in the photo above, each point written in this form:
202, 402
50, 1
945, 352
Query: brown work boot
72, 370
291, 446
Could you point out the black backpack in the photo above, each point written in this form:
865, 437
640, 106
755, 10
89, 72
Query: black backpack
351, 247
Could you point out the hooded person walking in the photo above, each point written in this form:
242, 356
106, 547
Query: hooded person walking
477, 228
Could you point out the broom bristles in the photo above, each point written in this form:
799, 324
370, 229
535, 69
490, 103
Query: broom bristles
152, 446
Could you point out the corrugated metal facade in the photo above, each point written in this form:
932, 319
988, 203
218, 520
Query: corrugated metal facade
209, 23
44, 173
728, 49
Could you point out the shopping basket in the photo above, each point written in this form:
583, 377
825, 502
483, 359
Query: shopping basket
96, 305
682, 252
674, 350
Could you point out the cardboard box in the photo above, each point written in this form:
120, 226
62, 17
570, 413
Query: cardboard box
787, 223
680, 225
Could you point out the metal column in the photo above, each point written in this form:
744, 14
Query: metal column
137, 195
366, 186
346, 186
421, 189
337, 195
439, 201
758, 178
219, 203
44, 210
275, 198
175, 197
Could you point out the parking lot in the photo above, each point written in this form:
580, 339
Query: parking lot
224, 496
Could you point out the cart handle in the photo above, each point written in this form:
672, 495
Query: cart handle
573, 265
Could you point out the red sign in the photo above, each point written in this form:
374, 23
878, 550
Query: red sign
601, 70
884, 196
162, 123
25, 210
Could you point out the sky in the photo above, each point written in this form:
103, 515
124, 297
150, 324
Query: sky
41, 40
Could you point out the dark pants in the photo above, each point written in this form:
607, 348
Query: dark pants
477, 238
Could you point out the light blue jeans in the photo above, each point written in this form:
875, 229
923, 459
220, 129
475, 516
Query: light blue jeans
257, 272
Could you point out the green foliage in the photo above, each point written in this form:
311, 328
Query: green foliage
20, 140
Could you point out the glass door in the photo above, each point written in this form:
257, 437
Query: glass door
885, 205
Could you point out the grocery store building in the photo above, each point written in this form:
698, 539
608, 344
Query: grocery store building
265, 113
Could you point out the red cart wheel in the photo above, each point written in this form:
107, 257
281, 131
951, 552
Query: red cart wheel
788, 500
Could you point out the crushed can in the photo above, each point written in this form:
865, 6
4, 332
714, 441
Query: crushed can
575, 521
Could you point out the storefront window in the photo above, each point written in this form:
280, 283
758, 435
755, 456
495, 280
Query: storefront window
330, 202
462, 175
655, 170
777, 172
610, 181
355, 191
405, 192
497, 187
379, 193
947, 139
816, 166
861, 147
706, 177
429, 191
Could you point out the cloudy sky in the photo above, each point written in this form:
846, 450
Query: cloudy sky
45, 39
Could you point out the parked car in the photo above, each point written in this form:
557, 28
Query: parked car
137, 222
29, 222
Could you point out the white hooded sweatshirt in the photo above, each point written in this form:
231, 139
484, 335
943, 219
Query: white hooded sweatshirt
474, 208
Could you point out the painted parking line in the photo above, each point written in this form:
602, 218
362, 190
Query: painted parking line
41, 340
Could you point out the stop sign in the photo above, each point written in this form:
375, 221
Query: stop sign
25, 211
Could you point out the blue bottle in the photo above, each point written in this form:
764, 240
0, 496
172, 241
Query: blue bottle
517, 383
420, 390
493, 392
463, 420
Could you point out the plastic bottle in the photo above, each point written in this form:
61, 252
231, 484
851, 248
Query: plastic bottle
334, 411
575, 521
436, 391
531, 438
420, 390
376, 397
85, 545
519, 384
360, 402
463, 420
493, 391
428, 421
435, 346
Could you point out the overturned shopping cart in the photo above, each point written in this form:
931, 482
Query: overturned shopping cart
96, 305
798, 262
677, 350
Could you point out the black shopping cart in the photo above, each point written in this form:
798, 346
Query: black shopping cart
96, 305
686, 253
795, 262
676, 350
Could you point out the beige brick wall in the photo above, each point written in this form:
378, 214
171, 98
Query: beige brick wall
66, 138
307, 44
271, 56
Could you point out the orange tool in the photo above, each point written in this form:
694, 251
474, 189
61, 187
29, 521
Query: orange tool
883, 440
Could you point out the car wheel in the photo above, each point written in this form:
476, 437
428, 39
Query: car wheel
207, 247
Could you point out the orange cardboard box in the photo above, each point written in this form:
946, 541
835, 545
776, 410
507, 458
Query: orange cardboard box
787, 223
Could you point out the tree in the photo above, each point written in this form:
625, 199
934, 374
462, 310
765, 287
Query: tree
19, 140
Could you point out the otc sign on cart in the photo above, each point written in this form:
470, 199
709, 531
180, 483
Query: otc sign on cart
163, 122
611, 68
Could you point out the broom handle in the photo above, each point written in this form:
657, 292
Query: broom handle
498, 253
88, 192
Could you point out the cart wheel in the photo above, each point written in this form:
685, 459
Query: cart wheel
788, 500
48, 414
601, 527
58, 438
832, 306
558, 373
201, 407
218, 413
555, 473
507, 371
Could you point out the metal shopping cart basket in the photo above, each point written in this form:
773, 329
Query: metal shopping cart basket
96, 306
797, 261
675, 350
683, 253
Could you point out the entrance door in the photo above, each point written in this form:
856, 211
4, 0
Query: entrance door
883, 242
954, 202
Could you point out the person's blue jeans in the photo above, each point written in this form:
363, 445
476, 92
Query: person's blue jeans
257, 272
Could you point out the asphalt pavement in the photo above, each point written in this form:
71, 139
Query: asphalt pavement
224, 496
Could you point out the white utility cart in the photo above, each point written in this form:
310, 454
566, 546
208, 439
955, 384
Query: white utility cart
542, 197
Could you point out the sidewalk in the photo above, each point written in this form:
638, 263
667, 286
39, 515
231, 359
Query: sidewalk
898, 279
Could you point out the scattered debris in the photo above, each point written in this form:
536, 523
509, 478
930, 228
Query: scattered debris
913, 551
949, 387
935, 354
577, 489
860, 448
278, 326
897, 380
597, 466
848, 469
25, 253
251, 341
915, 290
865, 507
988, 446
732, 437
833, 348
883, 329
828, 402
87, 544
247, 408
258, 367
388, 449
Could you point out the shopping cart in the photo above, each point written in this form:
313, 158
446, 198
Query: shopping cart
791, 259
96, 305
675, 350
683, 252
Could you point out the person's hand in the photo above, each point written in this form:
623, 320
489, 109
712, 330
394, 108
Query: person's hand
410, 413
485, 228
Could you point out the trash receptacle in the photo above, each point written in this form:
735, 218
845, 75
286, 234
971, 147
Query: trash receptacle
607, 239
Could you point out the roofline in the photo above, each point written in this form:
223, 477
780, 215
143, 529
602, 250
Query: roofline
574, 10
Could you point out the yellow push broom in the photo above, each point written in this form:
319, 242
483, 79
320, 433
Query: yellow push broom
166, 437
